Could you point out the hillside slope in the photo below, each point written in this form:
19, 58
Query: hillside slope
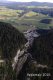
39, 63
10, 40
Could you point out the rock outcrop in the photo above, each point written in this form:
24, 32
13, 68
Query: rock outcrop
39, 61
32, 58
11, 41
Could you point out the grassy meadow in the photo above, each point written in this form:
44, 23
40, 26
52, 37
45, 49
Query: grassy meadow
24, 20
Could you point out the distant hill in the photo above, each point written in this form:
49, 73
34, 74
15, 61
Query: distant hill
16, 4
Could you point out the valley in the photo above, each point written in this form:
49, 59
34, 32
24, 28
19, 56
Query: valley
26, 41
24, 19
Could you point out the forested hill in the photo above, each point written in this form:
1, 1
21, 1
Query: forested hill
42, 48
13, 4
10, 40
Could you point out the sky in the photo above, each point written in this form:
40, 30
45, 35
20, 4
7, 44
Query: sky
32, 0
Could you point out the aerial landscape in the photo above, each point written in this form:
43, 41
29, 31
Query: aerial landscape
26, 40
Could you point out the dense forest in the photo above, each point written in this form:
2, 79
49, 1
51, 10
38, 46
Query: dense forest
26, 41
42, 51
10, 40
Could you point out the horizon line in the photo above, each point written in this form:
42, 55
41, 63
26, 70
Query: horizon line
26, 1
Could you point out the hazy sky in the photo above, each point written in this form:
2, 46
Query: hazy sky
32, 0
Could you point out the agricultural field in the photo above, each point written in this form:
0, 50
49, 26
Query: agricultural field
24, 19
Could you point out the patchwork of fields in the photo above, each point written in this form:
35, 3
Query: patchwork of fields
24, 20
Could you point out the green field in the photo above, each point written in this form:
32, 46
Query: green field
24, 20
